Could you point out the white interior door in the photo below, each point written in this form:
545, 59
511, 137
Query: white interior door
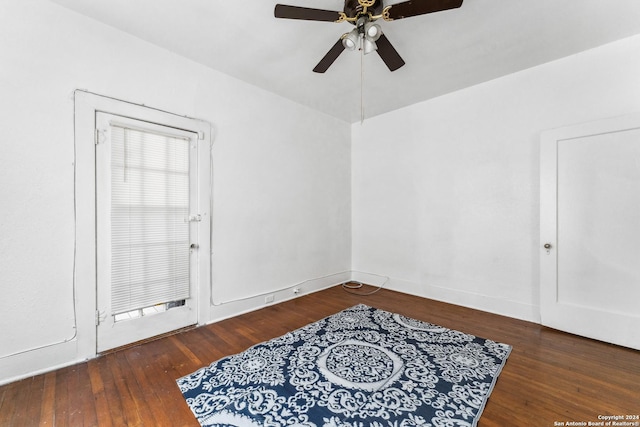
590, 230
147, 229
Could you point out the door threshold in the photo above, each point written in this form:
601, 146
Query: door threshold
147, 340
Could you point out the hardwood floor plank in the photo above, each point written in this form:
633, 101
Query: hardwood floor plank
204, 348
47, 408
33, 397
140, 374
126, 391
192, 362
10, 403
85, 399
549, 377
95, 369
75, 397
160, 374
17, 413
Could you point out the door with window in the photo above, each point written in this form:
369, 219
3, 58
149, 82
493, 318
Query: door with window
147, 229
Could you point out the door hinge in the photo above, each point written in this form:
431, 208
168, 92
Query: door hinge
100, 317
194, 218
100, 136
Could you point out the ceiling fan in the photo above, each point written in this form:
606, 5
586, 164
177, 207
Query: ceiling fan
367, 35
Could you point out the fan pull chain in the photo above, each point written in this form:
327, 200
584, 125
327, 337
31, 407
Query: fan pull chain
361, 79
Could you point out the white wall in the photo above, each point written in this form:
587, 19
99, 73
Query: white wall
281, 175
446, 192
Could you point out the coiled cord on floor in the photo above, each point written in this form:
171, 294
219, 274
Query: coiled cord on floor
352, 284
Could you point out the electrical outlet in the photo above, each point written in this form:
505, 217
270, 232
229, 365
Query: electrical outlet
268, 299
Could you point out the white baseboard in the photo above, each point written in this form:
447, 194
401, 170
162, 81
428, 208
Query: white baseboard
38, 361
478, 301
225, 310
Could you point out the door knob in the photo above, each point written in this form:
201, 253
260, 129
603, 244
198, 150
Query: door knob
194, 246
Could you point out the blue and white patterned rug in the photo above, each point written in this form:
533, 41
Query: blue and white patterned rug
361, 367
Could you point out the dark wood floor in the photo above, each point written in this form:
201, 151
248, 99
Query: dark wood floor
550, 376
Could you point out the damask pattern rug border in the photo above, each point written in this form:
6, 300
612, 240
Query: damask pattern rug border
360, 367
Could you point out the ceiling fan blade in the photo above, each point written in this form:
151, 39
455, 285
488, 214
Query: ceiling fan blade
389, 54
329, 58
421, 7
296, 12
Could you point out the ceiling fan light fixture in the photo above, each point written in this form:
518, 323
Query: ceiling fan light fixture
372, 31
350, 40
369, 46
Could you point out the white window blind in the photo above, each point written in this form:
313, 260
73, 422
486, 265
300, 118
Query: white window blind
149, 218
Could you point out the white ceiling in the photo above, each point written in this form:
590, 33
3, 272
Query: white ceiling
444, 52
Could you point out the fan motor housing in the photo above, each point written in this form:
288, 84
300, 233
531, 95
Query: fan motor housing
353, 8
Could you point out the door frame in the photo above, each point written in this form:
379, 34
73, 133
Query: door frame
596, 322
86, 106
